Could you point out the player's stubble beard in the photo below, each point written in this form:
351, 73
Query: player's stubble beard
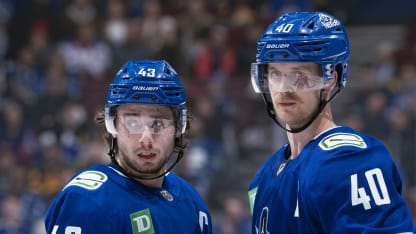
300, 116
283, 116
136, 171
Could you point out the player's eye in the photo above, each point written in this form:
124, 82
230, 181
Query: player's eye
275, 76
132, 123
158, 125
300, 75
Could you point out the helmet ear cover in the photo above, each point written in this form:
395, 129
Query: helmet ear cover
150, 82
109, 120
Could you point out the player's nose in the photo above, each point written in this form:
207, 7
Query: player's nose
146, 138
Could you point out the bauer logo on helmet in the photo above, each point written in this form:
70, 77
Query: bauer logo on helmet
144, 88
277, 46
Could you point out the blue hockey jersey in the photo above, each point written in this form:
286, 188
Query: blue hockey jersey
342, 182
102, 199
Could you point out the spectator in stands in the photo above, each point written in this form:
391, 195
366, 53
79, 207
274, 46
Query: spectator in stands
86, 54
235, 219
216, 60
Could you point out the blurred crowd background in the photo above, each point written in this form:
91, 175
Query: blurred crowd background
57, 58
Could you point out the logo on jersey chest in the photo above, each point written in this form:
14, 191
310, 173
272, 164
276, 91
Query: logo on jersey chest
141, 222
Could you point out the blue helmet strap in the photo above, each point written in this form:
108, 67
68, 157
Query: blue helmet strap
272, 113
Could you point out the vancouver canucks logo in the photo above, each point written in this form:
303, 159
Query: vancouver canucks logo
342, 139
263, 221
90, 180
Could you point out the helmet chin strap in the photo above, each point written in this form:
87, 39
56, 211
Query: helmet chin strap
112, 153
272, 113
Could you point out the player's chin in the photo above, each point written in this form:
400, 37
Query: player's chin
148, 171
284, 116
149, 167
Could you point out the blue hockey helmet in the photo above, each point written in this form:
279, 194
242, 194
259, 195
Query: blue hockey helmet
314, 37
152, 82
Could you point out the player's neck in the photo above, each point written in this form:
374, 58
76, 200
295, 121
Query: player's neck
140, 177
298, 140
154, 183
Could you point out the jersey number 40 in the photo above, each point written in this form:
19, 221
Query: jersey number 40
378, 189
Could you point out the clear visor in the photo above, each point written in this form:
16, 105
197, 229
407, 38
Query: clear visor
266, 81
139, 124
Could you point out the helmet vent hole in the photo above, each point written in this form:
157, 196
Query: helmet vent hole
271, 55
136, 97
311, 25
154, 98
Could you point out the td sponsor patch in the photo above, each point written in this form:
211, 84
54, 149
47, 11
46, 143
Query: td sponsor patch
141, 222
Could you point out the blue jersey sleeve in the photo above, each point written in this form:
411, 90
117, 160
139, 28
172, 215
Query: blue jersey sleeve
355, 189
71, 212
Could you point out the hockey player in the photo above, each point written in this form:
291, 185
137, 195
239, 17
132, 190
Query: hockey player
145, 118
327, 178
